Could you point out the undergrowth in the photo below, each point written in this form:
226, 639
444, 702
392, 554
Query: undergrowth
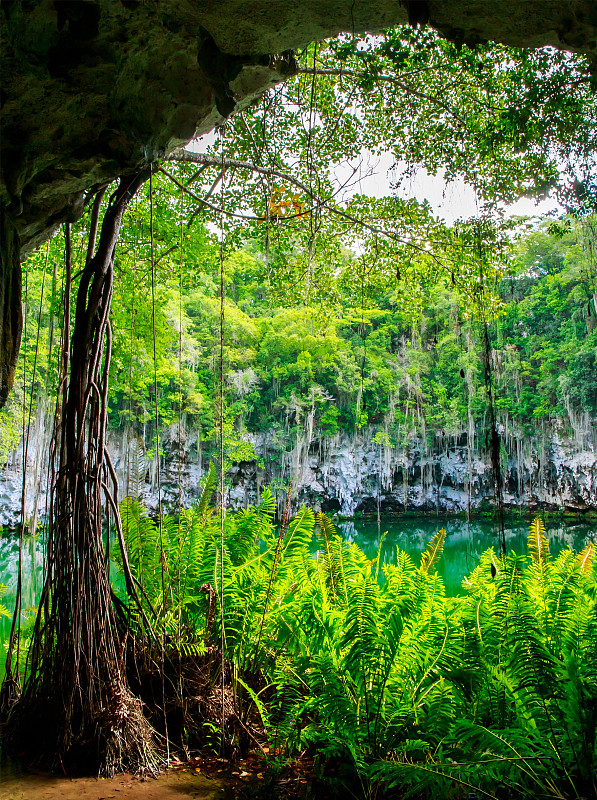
366, 669
388, 684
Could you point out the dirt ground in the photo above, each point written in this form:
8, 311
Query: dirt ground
170, 786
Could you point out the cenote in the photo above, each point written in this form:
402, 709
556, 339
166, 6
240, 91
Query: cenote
465, 541
247, 276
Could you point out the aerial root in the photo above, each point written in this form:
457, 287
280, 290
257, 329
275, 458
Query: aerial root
124, 739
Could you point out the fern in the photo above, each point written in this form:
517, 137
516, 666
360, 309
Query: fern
333, 562
409, 688
538, 544
586, 558
141, 536
4, 612
209, 483
433, 551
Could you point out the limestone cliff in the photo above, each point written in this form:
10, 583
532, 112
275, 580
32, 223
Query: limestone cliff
346, 474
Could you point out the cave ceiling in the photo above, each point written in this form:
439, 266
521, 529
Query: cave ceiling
92, 89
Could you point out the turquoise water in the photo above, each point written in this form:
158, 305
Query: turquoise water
32, 565
465, 541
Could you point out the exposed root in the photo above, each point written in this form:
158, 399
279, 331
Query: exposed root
76, 711
123, 738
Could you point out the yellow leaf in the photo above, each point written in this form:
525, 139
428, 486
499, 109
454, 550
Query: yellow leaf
585, 558
538, 544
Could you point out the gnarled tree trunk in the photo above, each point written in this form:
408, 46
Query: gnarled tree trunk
76, 696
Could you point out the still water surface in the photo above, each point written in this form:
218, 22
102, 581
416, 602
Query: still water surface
465, 541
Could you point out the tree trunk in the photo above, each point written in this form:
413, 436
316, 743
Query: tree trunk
76, 711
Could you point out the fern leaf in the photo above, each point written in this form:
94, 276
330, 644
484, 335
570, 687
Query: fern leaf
208, 488
586, 557
538, 544
261, 708
325, 528
267, 504
434, 550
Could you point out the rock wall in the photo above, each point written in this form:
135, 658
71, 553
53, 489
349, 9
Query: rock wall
345, 474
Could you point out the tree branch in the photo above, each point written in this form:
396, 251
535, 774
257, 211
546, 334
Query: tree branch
185, 156
384, 78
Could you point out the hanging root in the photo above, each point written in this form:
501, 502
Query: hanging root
76, 711
122, 737
117, 739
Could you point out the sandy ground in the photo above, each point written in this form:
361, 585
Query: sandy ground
171, 786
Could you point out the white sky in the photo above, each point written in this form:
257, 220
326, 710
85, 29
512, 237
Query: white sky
449, 201
375, 174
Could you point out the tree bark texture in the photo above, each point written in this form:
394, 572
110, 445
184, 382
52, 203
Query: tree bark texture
76, 694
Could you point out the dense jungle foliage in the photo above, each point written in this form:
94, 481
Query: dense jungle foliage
367, 359
343, 307
369, 667
259, 258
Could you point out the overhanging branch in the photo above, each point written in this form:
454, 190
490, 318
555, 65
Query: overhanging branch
186, 156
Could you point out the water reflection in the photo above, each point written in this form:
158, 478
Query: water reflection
32, 566
465, 541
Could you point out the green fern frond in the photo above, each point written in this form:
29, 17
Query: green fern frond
362, 640
299, 536
3, 610
141, 536
267, 504
538, 544
333, 555
433, 551
209, 483
325, 528
586, 557
138, 469
192, 648
259, 705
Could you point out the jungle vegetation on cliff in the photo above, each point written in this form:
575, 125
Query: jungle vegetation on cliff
254, 289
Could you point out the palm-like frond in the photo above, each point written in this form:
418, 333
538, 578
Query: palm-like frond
586, 557
452, 696
333, 552
433, 551
141, 536
538, 544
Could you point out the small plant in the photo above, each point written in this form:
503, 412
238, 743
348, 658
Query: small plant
4, 612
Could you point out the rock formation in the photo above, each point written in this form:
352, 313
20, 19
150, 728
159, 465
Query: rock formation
346, 474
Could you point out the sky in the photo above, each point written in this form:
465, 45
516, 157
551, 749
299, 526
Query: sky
376, 174
449, 201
